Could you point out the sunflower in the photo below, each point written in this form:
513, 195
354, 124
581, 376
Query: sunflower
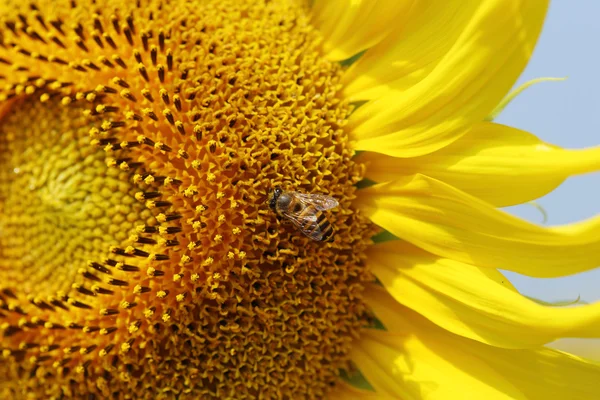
139, 258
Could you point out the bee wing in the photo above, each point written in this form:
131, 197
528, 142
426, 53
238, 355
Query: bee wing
321, 202
307, 225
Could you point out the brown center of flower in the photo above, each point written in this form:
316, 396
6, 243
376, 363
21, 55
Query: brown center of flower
139, 255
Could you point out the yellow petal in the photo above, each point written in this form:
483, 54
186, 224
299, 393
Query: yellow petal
351, 26
499, 164
405, 367
450, 223
465, 86
411, 51
418, 360
465, 300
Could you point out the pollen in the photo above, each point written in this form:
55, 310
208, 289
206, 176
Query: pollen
125, 347
138, 143
161, 294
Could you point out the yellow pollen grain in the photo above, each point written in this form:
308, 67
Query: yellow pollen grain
133, 327
125, 347
190, 191
185, 259
208, 261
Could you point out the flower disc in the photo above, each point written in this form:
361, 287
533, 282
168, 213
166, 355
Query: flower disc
139, 256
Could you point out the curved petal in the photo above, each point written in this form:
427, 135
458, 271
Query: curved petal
351, 26
405, 367
447, 222
463, 88
463, 299
418, 360
498, 164
411, 51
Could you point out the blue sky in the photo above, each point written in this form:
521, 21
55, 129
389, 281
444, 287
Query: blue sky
563, 113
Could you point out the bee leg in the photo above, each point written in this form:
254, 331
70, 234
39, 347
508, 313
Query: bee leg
282, 220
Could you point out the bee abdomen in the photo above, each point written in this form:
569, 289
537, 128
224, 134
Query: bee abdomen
325, 226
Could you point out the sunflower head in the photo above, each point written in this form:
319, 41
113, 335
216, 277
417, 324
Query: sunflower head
171, 173
139, 253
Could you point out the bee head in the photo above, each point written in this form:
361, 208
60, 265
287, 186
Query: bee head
273, 196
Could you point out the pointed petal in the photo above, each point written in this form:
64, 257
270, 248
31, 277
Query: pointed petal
411, 51
450, 223
351, 26
404, 367
418, 360
464, 299
498, 164
465, 86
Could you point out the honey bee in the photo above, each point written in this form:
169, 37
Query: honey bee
305, 211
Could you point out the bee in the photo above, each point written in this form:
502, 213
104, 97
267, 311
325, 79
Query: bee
305, 211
